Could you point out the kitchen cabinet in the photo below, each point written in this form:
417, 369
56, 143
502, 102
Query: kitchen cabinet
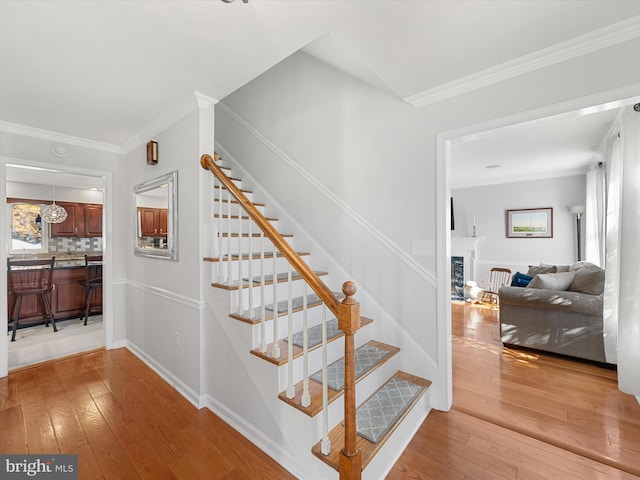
83, 220
153, 222
67, 297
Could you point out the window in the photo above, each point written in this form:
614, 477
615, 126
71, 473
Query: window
28, 231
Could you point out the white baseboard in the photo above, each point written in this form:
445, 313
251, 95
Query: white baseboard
256, 437
166, 375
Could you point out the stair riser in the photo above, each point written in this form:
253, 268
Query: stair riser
281, 266
242, 244
235, 208
335, 351
217, 195
245, 224
297, 289
314, 317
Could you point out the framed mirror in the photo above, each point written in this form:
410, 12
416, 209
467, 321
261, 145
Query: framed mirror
156, 217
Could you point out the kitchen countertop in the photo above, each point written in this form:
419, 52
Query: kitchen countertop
62, 261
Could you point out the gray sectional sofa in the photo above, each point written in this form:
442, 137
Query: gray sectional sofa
559, 311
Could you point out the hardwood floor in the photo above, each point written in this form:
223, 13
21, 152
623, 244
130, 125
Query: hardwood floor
517, 415
123, 421
523, 415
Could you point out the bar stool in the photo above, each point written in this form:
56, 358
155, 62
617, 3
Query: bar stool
30, 277
93, 280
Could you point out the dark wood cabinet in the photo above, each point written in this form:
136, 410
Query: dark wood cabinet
73, 226
153, 221
93, 220
67, 297
83, 220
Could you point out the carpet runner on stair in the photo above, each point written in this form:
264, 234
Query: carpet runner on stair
380, 411
314, 334
281, 277
366, 357
296, 303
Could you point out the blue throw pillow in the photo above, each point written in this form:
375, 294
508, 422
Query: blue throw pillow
521, 280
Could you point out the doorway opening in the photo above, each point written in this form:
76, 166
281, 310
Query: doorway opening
28, 188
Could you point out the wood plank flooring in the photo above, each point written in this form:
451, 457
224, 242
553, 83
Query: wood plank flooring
517, 415
123, 421
523, 415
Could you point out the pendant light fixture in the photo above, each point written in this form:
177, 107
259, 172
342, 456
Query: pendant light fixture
54, 213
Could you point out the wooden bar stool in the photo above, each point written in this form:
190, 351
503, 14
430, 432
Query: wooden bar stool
31, 277
93, 280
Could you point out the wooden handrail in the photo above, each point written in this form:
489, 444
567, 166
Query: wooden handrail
347, 312
300, 266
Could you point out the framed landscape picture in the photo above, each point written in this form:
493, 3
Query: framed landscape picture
530, 223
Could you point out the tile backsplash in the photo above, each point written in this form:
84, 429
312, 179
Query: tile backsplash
73, 244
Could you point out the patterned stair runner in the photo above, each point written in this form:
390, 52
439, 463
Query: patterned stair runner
380, 411
367, 357
312, 300
281, 277
314, 334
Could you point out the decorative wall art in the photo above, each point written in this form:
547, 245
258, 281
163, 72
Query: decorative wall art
530, 223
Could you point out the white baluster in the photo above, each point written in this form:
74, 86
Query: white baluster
250, 314
229, 270
220, 250
325, 444
291, 391
306, 396
240, 263
263, 313
276, 346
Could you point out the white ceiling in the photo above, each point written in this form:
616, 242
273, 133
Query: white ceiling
104, 70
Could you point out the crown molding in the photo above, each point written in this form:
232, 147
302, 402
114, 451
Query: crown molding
581, 45
191, 103
58, 137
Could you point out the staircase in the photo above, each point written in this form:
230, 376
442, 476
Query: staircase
288, 305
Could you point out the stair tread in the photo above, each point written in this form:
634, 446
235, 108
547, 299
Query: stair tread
367, 448
312, 301
244, 217
297, 302
245, 256
315, 388
235, 202
241, 189
282, 277
332, 335
253, 235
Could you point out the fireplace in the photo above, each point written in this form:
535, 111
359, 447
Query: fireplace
463, 264
457, 278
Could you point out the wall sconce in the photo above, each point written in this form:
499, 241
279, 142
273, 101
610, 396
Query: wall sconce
578, 210
152, 152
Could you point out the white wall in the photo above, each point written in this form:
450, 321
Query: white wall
489, 204
163, 297
369, 176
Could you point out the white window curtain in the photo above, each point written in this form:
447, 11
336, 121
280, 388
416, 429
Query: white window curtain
595, 214
622, 302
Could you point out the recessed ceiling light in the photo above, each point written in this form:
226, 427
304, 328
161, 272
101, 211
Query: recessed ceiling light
493, 166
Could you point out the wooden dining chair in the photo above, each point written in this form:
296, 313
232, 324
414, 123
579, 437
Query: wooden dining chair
499, 277
30, 277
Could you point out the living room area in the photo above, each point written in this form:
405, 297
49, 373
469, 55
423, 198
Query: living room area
565, 387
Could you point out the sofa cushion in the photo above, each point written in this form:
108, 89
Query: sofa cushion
521, 280
588, 280
537, 269
553, 281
